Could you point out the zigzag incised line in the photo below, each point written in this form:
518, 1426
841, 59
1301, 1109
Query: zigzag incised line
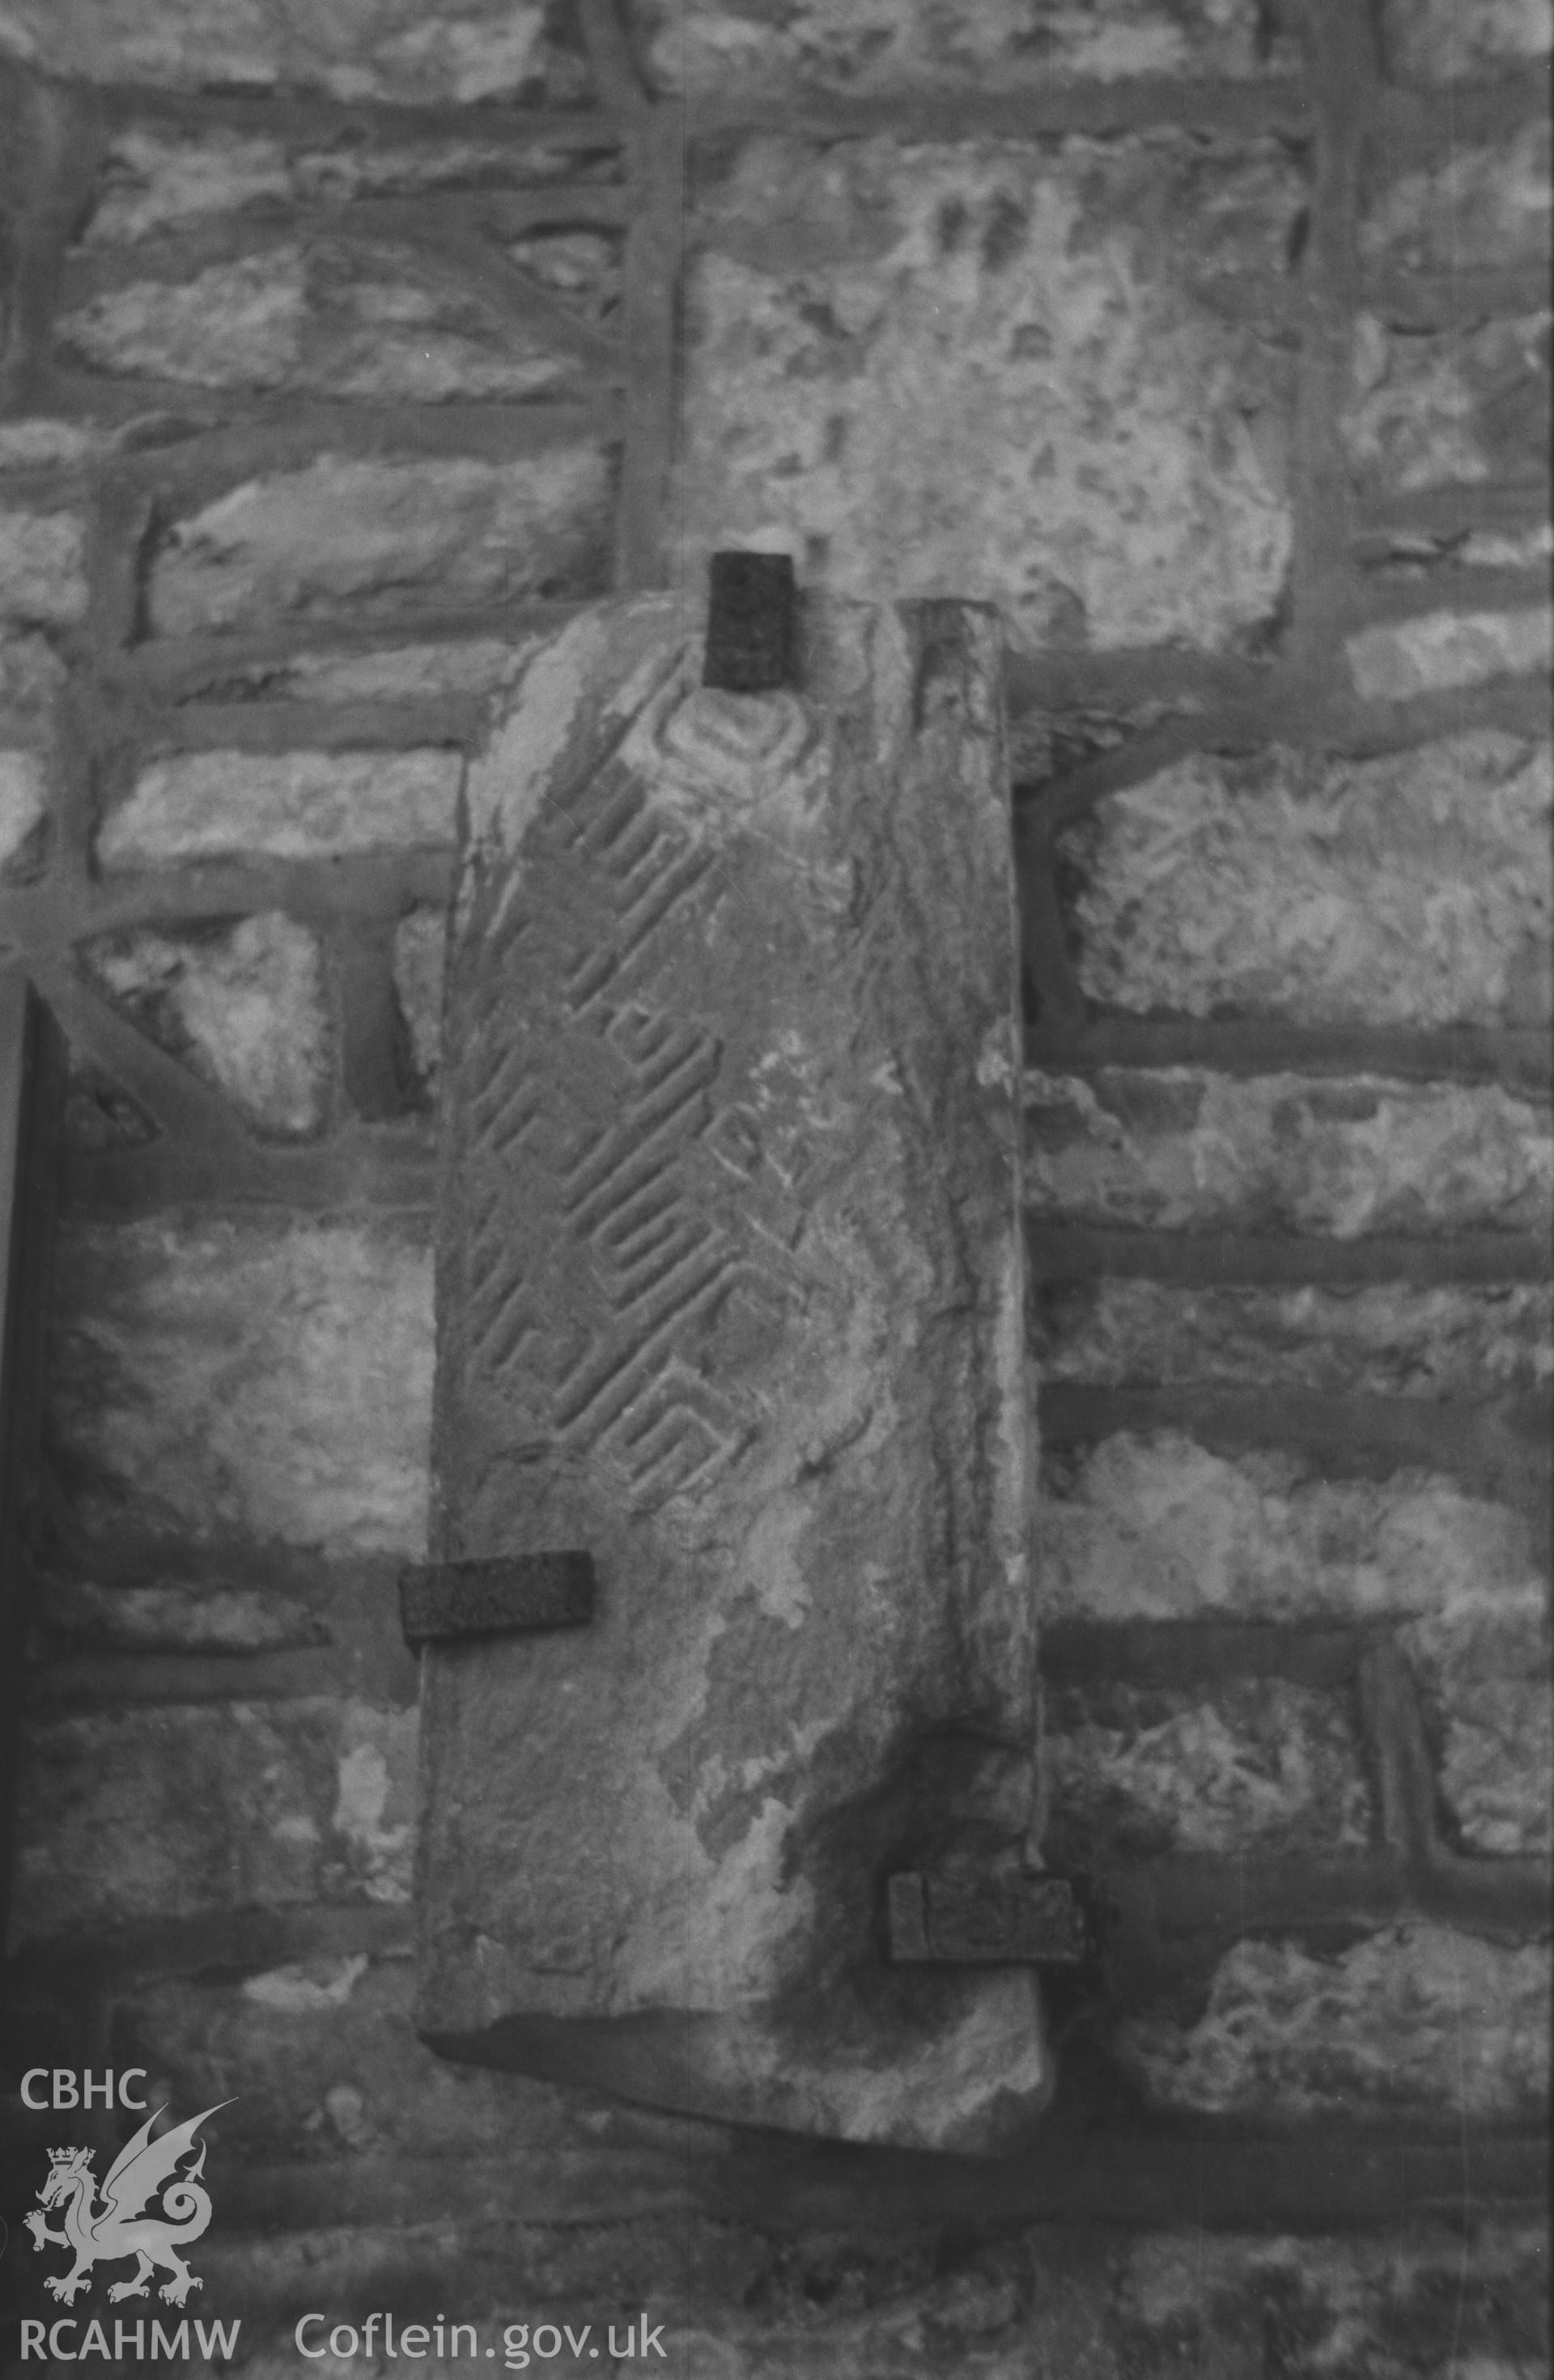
616, 1385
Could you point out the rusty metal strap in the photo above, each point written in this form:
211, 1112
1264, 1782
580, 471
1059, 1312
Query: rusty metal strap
442, 1600
1034, 1920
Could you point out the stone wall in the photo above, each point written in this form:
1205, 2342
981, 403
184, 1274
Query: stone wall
1207, 338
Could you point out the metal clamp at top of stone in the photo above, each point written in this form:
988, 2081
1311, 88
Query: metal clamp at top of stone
751, 643
513, 1592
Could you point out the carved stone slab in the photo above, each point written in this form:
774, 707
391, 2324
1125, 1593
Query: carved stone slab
730, 1295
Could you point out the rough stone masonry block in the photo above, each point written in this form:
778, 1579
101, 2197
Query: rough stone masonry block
730, 1296
158, 177
174, 1616
43, 574
222, 1380
395, 671
1398, 660
1436, 40
1475, 205
1448, 408
1172, 1148
329, 317
374, 49
235, 804
1484, 1665
994, 370
1152, 1526
1255, 1765
1415, 2019
1463, 2299
161, 1813
1149, 1525
31, 674
1387, 1339
244, 1003
720, 49
1416, 889
373, 541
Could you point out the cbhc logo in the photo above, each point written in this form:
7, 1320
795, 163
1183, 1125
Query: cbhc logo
70, 2090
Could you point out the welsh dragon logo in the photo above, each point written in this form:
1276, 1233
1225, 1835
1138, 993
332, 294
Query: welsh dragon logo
120, 2225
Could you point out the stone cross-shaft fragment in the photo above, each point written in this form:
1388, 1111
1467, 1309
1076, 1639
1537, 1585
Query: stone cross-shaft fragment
730, 1297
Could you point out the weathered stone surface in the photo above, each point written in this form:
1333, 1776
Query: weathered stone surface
584, 269
156, 180
159, 179
159, 1813
23, 801
1415, 2018
1400, 658
328, 318
284, 805
41, 445
31, 675
1448, 407
1149, 1525
420, 953
477, 665
1433, 40
380, 49
1418, 2302
1177, 1149
712, 49
1387, 1339
1256, 1765
173, 1616
1410, 890
729, 1295
216, 1380
374, 541
1485, 1668
989, 369
244, 1003
43, 581
1497, 1771
1511, 548
1486, 206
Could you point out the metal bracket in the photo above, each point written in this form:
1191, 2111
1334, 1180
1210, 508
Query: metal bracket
750, 638
444, 1600
975, 1920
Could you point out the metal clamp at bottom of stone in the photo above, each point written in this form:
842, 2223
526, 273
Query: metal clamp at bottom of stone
444, 1600
1035, 1920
